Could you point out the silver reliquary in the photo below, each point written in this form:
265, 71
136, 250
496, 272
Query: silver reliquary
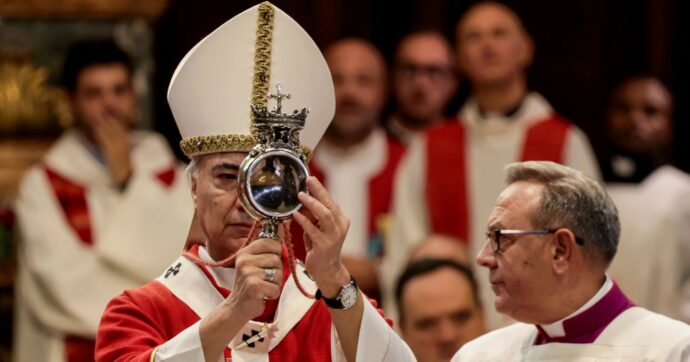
275, 170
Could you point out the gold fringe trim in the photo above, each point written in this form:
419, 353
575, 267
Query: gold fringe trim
201, 145
262, 59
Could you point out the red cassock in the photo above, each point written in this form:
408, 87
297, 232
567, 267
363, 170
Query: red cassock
139, 321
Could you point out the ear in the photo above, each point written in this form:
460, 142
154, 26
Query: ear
564, 245
527, 50
194, 191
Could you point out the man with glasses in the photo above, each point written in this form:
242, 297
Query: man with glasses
551, 237
451, 175
424, 81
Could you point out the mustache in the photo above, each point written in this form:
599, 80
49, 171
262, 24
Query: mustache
349, 102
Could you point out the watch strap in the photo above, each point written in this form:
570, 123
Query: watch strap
335, 303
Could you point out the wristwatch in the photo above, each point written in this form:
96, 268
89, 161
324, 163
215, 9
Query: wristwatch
346, 298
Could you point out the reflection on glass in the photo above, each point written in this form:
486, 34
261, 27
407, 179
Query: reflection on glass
266, 185
274, 183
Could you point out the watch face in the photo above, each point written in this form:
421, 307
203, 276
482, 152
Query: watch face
349, 296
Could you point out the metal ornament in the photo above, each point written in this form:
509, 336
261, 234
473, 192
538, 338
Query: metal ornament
275, 170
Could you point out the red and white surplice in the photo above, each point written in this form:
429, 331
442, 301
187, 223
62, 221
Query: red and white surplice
82, 241
451, 176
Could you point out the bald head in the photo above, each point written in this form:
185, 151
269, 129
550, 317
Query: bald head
359, 74
438, 246
493, 9
356, 48
492, 44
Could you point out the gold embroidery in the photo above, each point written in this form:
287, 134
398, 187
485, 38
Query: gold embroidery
262, 59
200, 145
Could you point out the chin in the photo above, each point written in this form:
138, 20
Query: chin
228, 243
493, 78
501, 305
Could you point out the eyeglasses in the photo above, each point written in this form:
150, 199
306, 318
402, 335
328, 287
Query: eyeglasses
494, 236
435, 73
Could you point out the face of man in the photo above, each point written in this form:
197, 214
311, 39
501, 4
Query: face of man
639, 116
219, 213
424, 80
359, 79
520, 271
437, 321
493, 48
103, 93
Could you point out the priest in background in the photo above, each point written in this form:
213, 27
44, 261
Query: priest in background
356, 160
452, 173
652, 196
98, 215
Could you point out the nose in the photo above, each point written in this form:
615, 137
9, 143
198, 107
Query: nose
447, 332
238, 208
422, 78
486, 257
110, 98
637, 117
347, 87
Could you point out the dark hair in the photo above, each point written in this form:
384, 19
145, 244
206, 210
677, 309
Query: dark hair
88, 53
426, 266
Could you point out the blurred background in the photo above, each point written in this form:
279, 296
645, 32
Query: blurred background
583, 48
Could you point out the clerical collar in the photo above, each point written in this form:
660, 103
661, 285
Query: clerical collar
626, 168
508, 114
585, 324
399, 131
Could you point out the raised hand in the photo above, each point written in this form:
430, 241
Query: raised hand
112, 137
325, 227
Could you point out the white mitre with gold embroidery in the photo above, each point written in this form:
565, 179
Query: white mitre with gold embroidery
234, 67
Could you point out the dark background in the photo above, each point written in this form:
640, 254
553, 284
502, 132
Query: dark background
583, 47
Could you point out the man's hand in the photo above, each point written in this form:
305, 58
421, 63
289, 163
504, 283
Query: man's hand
251, 284
112, 137
247, 298
325, 227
